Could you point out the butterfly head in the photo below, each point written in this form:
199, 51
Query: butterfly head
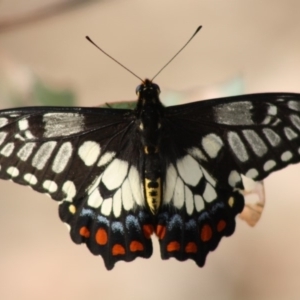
148, 89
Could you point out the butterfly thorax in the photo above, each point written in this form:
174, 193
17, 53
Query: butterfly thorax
149, 113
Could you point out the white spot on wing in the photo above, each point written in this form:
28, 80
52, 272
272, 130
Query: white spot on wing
294, 105
8, 149
212, 144
252, 173
287, 155
270, 164
267, 120
43, 154
272, 110
30, 178
237, 146
19, 137
2, 137
50, 186
62, 157
13, 171
178, 199
23, 124
94, 185
199, 203
106, 207
3, 122
189, 170
135, 185
69, 189
189, 201
29, 135
106, 158
209, 193
234, 178
296, 121
272, 136
95, 199
197, 153
115, 173
234, 113
171, 177
290, 133
89, 152
127, 197
208, 177
255, 142
117, 203
62, 124
26, 151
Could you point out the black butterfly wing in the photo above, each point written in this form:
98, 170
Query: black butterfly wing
207, 146
260, 131
89, 161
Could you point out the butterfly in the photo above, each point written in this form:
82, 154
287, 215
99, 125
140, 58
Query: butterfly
123, 175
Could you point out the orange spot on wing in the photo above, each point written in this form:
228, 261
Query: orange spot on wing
84, 232
161, 231
101, 236
118, 249
173, 246
221, 225
136, 246
206, 233
191, 248
148, 230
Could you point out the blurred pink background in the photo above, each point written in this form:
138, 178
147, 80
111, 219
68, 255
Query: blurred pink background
257, 40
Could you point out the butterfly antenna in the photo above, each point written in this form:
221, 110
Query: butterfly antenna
197, 30
89, 39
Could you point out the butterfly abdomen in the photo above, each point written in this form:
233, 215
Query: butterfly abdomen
149, 118
152, 167
152, 182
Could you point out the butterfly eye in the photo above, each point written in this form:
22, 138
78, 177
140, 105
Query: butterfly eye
138, 89
157, 88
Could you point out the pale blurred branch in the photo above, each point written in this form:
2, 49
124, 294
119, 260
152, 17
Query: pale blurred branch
15, 22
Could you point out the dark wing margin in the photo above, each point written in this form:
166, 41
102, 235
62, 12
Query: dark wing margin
70, 154
184, 236
115, 239
207, 146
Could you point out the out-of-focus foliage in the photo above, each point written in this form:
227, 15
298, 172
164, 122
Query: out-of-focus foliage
46, 95
120, 105
19, 86
234, 86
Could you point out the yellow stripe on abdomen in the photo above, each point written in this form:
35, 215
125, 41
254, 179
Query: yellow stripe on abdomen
153, 194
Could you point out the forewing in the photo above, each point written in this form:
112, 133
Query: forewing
207, 146
258, 133
88, 159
